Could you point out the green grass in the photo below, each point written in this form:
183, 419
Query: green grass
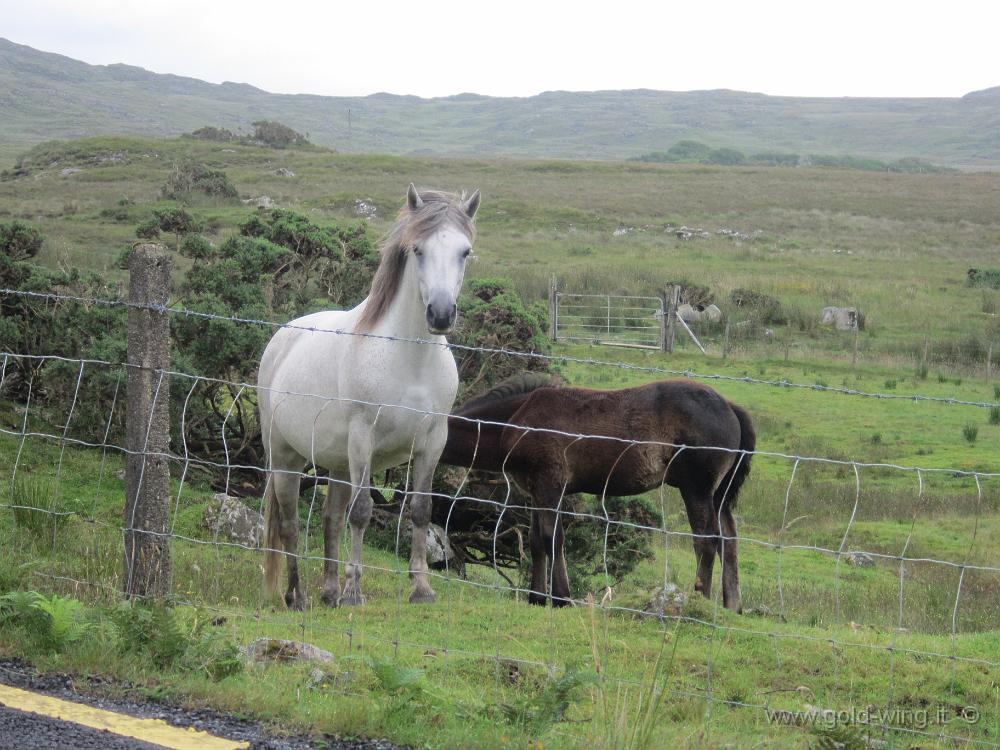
896, 246
822, 633
822, 637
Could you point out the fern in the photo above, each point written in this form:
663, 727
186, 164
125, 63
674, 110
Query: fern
17, 607
538, 712
64, 623
839, 737
396, 679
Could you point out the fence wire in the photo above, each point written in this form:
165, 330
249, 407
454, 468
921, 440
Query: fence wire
358, 633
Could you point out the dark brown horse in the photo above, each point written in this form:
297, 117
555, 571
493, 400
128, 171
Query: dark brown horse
675, 431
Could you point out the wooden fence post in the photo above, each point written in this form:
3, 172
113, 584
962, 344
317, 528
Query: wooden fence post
147, 425
725, 341
668, 321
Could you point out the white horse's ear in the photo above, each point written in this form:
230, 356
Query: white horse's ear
413, 199
472, 205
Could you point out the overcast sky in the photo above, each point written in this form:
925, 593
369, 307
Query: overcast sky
515, 48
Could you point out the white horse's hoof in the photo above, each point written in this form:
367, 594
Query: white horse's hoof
351, 598
423, 597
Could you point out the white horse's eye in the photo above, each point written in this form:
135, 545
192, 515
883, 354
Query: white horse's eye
467, 252
417, 251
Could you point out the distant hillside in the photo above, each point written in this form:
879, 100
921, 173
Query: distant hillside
45, 96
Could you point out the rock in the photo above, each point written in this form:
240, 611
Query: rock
68, 171
365, 209
230, 519
688, 314
860, 559
278, 649
666, 601
318, 678
283, 172
842, 318
264, 201
712, 314
622, 231
439, 552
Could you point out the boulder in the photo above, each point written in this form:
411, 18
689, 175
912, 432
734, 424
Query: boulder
712, 314
278, 649
860, 559
842, 318
283, 172
231, 520
666, 601
440, 555
688, 314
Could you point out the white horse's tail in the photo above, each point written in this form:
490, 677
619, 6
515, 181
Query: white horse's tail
272, 540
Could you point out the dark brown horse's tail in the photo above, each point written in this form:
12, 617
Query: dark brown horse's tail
272, 540
729, 488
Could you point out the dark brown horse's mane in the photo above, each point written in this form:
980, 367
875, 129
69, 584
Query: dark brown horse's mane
515, 385
411, 228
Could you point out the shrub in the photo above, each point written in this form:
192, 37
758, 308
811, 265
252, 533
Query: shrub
492, 315
19, 240
209, 133
988, 277
725, 156
277, 135
188, 178
760, 307
970, 432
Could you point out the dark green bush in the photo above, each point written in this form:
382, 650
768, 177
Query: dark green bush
492, 315
189, 178
19, 240
277, 135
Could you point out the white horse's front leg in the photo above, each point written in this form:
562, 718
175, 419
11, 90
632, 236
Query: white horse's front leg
359, 514
420, 513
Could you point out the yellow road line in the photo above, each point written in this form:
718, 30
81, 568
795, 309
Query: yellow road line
155, 731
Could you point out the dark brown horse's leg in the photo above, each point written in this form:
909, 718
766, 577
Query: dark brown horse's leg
552, 539
706, 536
731, 598
539, 579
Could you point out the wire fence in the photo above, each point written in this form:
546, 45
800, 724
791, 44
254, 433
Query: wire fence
813, 581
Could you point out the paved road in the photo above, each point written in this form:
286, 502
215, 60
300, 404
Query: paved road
27, 731
24, 731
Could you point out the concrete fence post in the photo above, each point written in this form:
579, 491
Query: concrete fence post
147, 425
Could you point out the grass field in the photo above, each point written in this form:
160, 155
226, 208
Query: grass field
914, 635
895, 246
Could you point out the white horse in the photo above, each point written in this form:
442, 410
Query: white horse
356, 404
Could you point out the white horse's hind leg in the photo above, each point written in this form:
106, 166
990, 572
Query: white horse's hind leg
420, 513
338, 496
286, 494
359, 514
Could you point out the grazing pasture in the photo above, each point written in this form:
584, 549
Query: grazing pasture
869, 527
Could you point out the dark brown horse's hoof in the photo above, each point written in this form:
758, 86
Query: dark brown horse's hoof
330, 598
558, 601
538, 599
295, 601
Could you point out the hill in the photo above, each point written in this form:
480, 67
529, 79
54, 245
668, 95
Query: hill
48, 96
